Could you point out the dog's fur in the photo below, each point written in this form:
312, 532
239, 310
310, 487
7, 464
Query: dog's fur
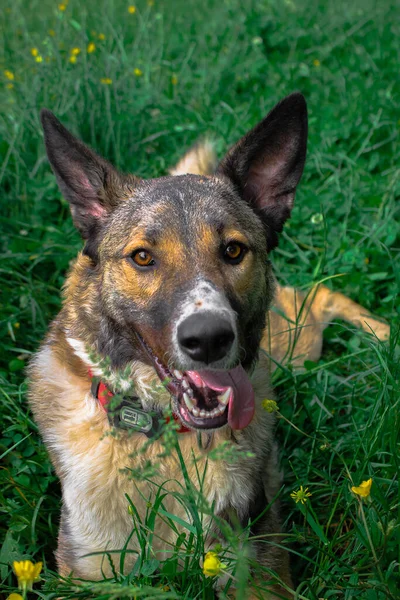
185, 219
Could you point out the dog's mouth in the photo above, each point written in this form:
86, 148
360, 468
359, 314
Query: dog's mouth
209, 399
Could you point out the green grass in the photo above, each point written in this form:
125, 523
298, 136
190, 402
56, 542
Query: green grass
217, 68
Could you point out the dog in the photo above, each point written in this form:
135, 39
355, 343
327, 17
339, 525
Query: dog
174, 285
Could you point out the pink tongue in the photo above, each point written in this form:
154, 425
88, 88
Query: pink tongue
241, 402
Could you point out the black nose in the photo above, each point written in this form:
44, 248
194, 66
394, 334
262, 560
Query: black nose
205, 337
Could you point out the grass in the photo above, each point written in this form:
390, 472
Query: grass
218, 67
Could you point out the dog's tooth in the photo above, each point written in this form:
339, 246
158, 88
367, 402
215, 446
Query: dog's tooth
196, 412
178, 374
185, 384
190, 392
203, 414
188, 401
224, 398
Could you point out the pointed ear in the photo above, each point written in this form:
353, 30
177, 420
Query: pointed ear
267, 163
85, 179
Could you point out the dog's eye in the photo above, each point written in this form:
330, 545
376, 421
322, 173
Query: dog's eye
234, 253
142, 258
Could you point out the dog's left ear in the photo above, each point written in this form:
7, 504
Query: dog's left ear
267, 163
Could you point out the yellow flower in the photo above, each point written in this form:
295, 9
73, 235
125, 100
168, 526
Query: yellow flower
364, 489
212, 566
39, 59
106, 80
9, 86
301, 495
75, 51
101, 36
316, 63
62, 7
91, 48
14, 597
17, 325
52, 32
174, 79
138, 72
9, 75
72, 59
131, 10
27, 573
34, 52
269, 406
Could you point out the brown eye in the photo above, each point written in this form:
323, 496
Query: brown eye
234, 253
142, 258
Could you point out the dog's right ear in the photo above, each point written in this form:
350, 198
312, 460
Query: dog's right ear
85, 179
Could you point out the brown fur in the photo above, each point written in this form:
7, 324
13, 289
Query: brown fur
91, 464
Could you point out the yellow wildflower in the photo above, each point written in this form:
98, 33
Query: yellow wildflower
17, 325
364, 489
9, 86
34, 52
91, 48
316, 63
14, 597
52, 32
72, 59
62, 7
131, 10
301, 495
269, 406
39, 59
106, 80
75, 51
212, 566
174, 79
27, 573
9, 75
138, 72
101, 36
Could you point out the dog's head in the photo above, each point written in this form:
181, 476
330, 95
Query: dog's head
180, 264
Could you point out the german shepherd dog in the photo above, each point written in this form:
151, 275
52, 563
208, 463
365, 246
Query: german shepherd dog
175, 284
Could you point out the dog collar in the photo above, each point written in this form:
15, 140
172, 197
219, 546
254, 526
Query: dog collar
129, 413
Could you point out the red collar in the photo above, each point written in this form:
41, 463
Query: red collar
103, 395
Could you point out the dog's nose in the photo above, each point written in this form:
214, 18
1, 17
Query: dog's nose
205, 337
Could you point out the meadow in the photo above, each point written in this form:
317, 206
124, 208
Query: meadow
141, 83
